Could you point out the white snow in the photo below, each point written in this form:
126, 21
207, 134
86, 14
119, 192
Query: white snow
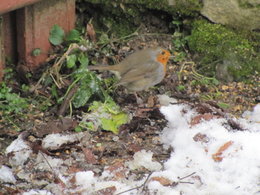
19, 151
144, 159
37, 192
6, 175
208, 158
254, 115
55, 140
237, 173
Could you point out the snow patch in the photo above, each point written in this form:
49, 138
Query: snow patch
6, 175
144, 159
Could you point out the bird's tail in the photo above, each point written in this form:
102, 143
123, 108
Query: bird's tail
101, 67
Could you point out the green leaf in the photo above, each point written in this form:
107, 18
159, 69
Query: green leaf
109, 125
120, 119
78, 129
73, 36
82, 96
223, 105
181, 87
36, 52
215, 81
83, 60
114, 123
86, 125
56, 35
71, 60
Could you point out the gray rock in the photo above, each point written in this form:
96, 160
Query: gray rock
242, 14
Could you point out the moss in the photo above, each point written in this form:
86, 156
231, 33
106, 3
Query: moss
121, 27
216, 44
248, 5
183, 7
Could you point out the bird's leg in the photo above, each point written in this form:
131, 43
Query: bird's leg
138, 99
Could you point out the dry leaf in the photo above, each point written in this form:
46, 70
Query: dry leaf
162, 180
91, 32
225, 87
106, 191
196, 120
151, 101
199, 137
217, 157
117, 170
89, 156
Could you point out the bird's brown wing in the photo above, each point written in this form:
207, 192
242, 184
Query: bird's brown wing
141, 72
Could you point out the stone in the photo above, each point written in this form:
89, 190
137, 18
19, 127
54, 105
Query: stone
241, 14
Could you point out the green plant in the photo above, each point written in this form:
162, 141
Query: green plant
84, 85
57, 35
107, 116
11, 103
179, 41
181, 87
216, 44
223, 105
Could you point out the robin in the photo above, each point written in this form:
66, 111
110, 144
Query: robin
140, 70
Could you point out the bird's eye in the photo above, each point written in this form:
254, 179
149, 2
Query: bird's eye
163, 52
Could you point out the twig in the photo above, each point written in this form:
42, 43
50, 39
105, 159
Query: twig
53, 171
138, 187
57, 65
66, 103
55, 69
181, 178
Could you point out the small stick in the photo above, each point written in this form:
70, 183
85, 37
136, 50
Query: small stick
65, 104
181, 178
138, 187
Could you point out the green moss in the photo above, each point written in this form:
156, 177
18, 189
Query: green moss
217, 44
248, 5
121, 27
179, 7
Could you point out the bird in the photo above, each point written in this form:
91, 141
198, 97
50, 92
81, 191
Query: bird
141, 70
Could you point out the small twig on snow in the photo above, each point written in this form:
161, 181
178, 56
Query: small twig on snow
138, 187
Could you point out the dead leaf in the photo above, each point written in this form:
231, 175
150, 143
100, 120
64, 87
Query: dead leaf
162, 180
106, 191
217, 157
91, 32
197, 119
133, 147
89, 156
55, 126
225, 87
199, 137
151, 101
118, 170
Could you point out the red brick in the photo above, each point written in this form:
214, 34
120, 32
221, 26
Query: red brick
33, 26
9, 36
10, 5
1, 50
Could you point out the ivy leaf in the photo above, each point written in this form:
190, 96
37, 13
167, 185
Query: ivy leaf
73, 36
83, 60
36, 52
71, 60
82, 96
56, 35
